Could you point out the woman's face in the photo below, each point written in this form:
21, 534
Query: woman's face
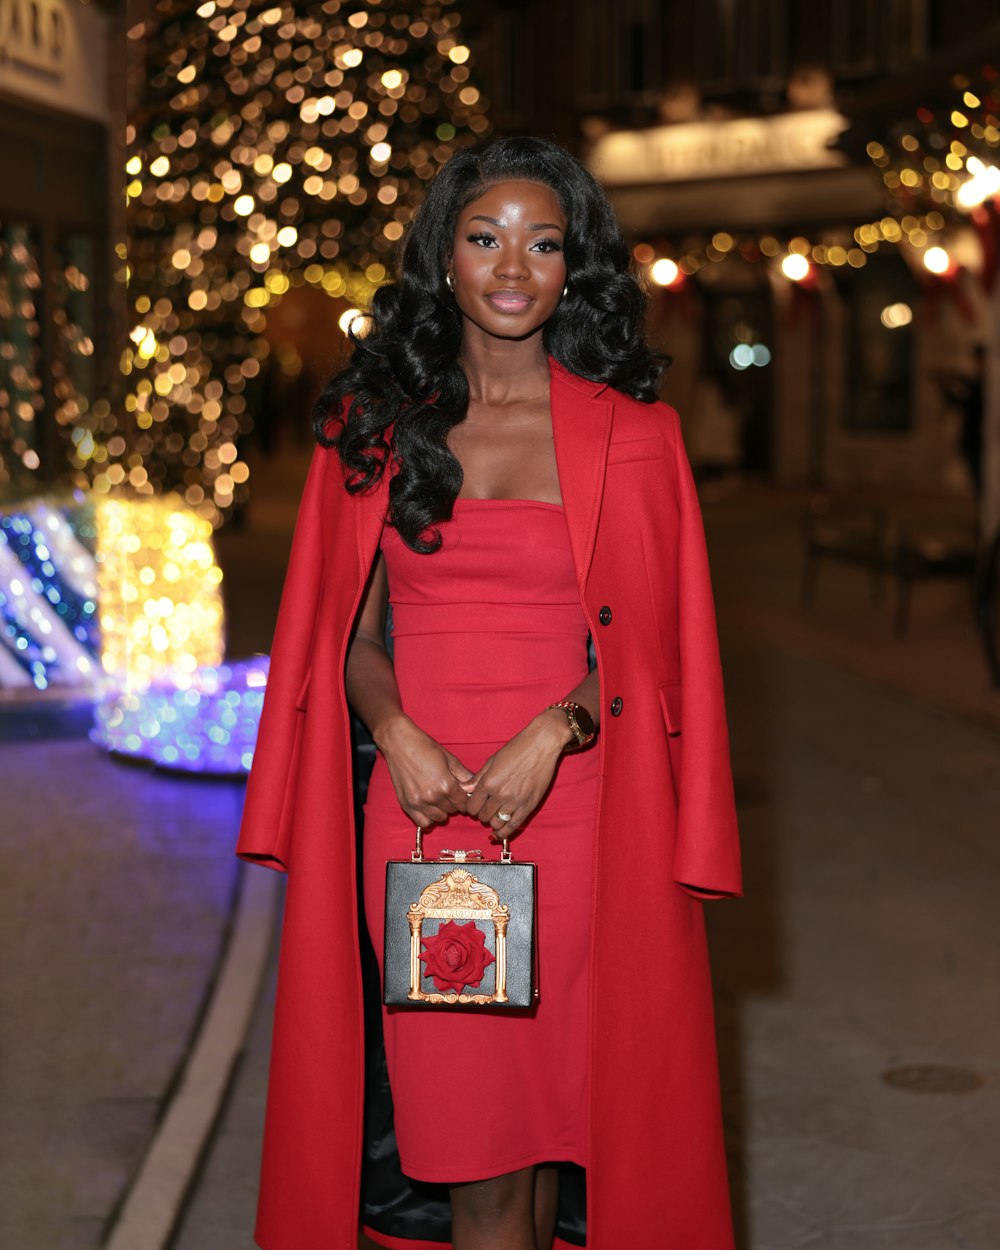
507, 264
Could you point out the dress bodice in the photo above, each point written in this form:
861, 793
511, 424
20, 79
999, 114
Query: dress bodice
488, 629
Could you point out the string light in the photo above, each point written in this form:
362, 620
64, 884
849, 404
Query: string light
946, 156
893, 316
48, 600
165, 694
795, 266
937, 260
159, 591
796, 256
207, 726
664, 272
274, 148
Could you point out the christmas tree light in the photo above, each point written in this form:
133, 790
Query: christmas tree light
275, 145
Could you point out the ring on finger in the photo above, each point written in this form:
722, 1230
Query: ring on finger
504, 816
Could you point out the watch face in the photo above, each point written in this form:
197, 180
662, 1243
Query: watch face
584, 720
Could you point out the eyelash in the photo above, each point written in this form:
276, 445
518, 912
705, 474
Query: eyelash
551, 244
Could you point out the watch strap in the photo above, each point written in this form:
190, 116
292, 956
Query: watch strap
584, 737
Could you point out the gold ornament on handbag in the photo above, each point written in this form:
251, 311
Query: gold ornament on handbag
455, 937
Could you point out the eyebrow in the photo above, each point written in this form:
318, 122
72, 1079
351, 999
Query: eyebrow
536, 225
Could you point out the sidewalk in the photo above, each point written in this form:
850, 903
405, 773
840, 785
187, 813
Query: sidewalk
114, 901
755, 534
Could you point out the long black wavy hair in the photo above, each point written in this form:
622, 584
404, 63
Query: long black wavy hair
404, 371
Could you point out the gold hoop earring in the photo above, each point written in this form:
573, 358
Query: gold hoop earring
450, 281
565, 291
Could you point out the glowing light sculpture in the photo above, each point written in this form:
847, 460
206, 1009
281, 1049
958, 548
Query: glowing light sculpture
168, 696
207, 726
159, 589
48, 608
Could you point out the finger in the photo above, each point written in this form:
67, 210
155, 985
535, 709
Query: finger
457, 796
428, 811
458, 770
492, 815
447, 795
497, 838
475, 801
476, 781
428, 815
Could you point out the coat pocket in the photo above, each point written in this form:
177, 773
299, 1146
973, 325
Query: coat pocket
636, 449
670, 702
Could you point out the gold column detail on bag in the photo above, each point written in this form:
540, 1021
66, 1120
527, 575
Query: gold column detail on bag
459, 931
458, 895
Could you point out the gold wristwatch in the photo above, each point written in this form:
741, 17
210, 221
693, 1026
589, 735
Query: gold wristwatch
580, 722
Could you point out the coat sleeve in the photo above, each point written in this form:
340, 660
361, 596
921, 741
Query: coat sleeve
267, 811
707, 854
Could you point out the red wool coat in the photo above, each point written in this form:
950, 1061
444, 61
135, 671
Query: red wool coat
656, 1177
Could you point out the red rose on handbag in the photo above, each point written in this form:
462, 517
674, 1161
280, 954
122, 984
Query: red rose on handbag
456, 956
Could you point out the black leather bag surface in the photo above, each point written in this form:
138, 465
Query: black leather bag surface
459, 932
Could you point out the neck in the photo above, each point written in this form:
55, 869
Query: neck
504, 371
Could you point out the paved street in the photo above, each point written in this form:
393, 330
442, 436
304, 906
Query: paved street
116, 892
869, 941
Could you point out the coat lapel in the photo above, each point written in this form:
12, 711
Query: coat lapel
581, 428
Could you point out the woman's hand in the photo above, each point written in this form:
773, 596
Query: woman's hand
427, 778
514, 779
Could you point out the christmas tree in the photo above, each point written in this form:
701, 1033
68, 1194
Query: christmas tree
271, 146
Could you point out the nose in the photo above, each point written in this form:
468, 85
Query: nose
510, 264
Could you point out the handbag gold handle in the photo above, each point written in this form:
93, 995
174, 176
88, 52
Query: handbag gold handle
417, 854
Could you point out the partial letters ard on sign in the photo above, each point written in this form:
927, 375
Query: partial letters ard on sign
33, 34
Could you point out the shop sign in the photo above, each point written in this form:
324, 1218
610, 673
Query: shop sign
33, 34
55, 52
724, 149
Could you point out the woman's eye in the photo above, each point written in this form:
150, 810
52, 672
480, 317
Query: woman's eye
483, 239
548, 245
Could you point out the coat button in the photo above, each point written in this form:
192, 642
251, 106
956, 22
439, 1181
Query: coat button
616, 706
604, 616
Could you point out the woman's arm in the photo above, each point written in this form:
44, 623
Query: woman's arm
515, 779
426, 777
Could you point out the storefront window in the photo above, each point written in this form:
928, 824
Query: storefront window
74, 364
21, 390
880, 299
48, 364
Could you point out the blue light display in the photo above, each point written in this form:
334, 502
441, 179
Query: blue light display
208, 727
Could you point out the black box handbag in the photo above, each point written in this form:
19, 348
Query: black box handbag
455, 937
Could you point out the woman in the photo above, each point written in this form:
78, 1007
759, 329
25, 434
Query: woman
493, 461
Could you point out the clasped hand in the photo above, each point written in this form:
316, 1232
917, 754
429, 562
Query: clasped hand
431, 784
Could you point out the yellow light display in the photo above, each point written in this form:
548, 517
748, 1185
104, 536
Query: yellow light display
795, 257
159, 591
272, 148
945, 157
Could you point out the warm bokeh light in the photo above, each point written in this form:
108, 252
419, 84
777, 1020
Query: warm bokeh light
983, 184
895, 315
664, 271
937, 260
277, 147
348, 318
159, 590
795, 266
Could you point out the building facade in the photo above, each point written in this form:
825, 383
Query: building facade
58, 201
718, 130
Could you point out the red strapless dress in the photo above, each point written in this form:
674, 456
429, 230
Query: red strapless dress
487, 631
